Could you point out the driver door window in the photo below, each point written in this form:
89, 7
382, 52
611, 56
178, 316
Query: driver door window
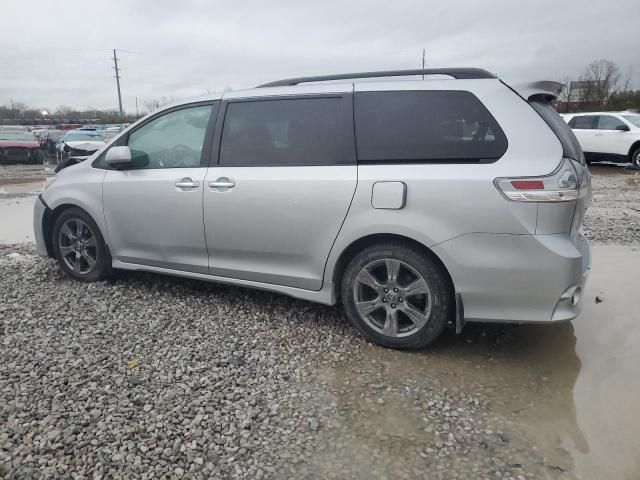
173, 140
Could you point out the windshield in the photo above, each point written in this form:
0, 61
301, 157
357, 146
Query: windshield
81, 136
635, 119
21, 136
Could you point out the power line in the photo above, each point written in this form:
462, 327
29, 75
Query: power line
115, 63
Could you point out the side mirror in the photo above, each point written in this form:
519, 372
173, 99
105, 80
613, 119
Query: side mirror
118, 156
622, 128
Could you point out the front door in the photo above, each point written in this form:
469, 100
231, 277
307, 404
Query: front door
286, 176
153, 208
610, 140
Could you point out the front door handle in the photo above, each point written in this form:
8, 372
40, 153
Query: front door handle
187, 183
222, 183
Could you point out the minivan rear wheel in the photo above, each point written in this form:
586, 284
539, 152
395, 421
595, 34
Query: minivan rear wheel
397, 296
79, 247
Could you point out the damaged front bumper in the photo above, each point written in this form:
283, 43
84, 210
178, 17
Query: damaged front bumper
39, 210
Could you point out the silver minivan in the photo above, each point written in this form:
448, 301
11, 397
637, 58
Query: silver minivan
416, 203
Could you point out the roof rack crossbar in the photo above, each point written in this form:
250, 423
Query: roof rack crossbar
457, 73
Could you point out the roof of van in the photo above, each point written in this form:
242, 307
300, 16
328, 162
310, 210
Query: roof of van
344, 82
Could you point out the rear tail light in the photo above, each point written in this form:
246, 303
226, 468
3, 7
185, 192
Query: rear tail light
560, 186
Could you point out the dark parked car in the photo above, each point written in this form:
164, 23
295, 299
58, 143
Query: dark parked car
51, 138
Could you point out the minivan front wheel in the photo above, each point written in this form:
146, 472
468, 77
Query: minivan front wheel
397, 296
79, 247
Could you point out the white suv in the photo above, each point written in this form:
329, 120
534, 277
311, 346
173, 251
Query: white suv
613, 136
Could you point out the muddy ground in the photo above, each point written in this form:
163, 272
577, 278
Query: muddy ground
552, 401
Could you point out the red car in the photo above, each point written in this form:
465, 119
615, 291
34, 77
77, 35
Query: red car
19, 147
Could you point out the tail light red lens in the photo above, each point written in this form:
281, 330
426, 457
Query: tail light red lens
528, 184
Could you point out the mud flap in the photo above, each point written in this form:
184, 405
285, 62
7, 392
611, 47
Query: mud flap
459, 314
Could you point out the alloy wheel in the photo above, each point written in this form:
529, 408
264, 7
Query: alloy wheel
78, 246
392, 297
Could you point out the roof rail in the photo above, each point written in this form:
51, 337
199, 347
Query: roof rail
457, 73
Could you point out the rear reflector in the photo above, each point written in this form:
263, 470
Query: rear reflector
528, 184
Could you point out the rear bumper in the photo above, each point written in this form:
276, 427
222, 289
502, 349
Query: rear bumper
518, 278
39, 210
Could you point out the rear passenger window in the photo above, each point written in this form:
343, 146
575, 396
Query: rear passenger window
583, 122
430, 126
607, 122
287, 132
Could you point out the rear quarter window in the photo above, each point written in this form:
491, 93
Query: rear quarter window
570, 146
436, 126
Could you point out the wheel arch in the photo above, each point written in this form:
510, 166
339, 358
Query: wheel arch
357, 245
49, 220
634, 146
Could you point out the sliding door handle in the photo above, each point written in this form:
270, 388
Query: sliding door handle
187, 183
222, 183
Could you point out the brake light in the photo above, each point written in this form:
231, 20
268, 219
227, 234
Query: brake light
560, 186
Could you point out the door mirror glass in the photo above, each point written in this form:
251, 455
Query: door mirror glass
118, 156
622, 128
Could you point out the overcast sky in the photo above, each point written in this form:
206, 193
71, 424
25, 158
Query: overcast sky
57, 52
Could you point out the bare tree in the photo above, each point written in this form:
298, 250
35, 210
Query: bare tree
18, 106
566, 94
626, 83
600, 80
152, 104
64, 110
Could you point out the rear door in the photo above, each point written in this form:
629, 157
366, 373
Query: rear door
275, 202
153, 208
584, 128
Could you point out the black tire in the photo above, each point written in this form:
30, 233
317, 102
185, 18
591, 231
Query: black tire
97, 251
414, 262
37, 158
635, 158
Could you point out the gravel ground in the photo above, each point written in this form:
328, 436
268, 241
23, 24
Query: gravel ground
154, 377
614, 214
145, 376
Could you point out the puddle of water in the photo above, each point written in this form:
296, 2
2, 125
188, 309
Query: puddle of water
572, 389
16, 219
607, 388
21, 185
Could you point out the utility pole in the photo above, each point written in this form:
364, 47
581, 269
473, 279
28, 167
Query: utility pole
424, 52
115, 63
137, 114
